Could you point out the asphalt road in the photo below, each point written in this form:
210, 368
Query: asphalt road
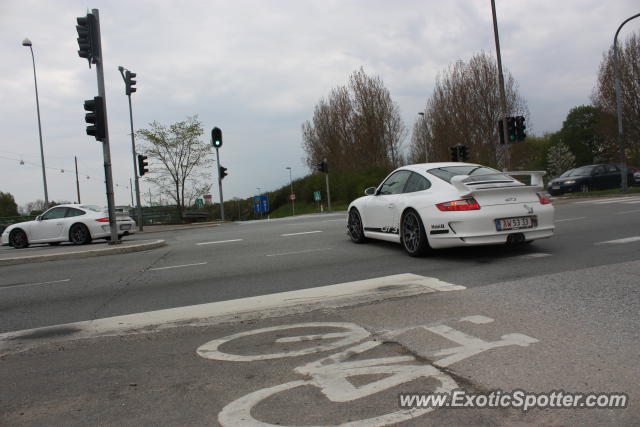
239, 260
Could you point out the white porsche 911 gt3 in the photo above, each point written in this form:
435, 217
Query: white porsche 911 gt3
442, 205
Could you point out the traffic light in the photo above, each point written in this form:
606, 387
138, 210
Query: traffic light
463, 153
142, 164
95, 117
323, 166
501, 131
88, 43
520, 127
129, 82
454, 153
222, 172
511, 129
216, 137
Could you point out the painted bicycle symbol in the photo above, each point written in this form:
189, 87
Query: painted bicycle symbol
330, 374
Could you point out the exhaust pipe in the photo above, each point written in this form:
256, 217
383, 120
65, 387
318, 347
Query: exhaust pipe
515, 238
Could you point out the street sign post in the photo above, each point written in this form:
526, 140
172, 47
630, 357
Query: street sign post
261, 204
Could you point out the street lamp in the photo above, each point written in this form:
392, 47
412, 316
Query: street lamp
27, 43
291, 196
616, 73
426, 154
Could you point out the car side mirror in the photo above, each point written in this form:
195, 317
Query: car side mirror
39, 218
371, 191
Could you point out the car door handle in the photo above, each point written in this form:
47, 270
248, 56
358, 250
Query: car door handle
390, 205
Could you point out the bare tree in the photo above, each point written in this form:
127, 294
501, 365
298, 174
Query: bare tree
559, 160
178, 160
358, 126
464, 108
604, 95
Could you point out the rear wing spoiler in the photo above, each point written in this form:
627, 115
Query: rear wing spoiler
459, 181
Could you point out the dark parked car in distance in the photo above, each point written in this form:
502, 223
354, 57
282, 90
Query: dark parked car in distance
588, 178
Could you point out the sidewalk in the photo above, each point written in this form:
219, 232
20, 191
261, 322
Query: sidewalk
40, 253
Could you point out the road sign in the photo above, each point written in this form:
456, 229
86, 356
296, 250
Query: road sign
316, 196
261, 204
292, 196
207, 197
199, 203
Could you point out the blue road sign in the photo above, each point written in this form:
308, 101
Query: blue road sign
260, 204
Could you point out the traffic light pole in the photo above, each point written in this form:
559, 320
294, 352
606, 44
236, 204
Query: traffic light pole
505, 161
106, 152
135, 168
326, 179
220, 185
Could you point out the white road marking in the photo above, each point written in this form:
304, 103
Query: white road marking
534, 255
298, 234
627, 212
339, 295
477, 319
618, 241
570, 219
177, 266
219, 241
35, 284
300, 252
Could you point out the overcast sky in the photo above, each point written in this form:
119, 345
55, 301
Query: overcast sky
256, 69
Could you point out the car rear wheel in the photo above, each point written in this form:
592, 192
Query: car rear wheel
18, 239
354, 226
413, 236
79, 234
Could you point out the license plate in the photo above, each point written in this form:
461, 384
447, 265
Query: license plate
518, 223
125, 227
556, 187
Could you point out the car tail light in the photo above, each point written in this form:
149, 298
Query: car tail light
544, 198
459, 205
102, 219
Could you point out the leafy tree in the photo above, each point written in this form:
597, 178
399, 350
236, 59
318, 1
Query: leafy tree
8, 205
358, 126
559, 159
604, 95
582, 132
179, 160
464, 108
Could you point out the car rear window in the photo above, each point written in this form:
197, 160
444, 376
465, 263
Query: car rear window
474, 172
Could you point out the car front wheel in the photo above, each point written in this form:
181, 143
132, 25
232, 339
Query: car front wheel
79, 234
18, 239
354, 225
414, 238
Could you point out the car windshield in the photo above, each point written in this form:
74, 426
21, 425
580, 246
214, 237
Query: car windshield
93, 208
567, 173
476, 173
584, 170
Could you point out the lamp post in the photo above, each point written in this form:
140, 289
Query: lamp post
616, 72
27, 43
291, 196
426, 154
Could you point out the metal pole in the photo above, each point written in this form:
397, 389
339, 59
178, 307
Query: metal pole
105, 142
44, 175
77, 180
131, 189
220, 185
293, 206
326, 179
424, 124
505, 159
616, 72
135, 164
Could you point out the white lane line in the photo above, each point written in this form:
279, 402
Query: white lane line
627, 212
619, 241
303, 300
35, 284
178, 266
300, 252
219, 241
534, 255
570, 219
298, 234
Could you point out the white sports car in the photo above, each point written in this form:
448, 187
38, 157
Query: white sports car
73, 223
442, 205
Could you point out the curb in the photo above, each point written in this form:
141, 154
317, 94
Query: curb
84, 254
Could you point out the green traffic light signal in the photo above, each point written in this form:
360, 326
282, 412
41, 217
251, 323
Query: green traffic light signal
216, 137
